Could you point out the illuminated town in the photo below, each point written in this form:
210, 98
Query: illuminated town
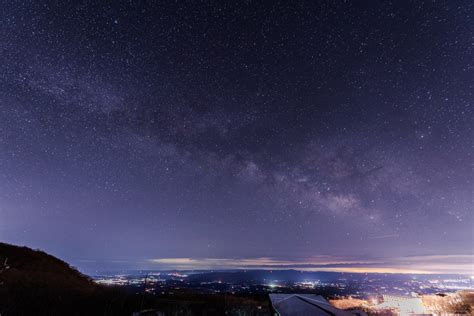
396, 293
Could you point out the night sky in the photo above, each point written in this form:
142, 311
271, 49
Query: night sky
317, 134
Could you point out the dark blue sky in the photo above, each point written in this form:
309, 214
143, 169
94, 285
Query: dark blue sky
275, 133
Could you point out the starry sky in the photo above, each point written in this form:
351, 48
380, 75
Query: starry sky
317, 134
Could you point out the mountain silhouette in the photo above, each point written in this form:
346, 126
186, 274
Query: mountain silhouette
33, 282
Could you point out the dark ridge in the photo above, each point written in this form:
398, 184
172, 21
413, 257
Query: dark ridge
33, 282
28, 266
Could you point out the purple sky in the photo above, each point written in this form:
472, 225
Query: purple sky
313, 135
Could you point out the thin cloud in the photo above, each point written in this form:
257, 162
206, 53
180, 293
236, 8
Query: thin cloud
456, 264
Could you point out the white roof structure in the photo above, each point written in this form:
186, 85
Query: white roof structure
405, 305
304, 305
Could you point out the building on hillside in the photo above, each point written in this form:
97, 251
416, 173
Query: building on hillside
406, 305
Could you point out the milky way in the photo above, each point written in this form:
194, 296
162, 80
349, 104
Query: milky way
311, 132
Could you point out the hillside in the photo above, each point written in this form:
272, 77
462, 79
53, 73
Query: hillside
37, 268
33, 282
454, 303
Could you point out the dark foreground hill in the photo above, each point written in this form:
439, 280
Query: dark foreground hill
35, 283
28, 267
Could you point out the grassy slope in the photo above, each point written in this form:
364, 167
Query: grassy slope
37, 268
35, 283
